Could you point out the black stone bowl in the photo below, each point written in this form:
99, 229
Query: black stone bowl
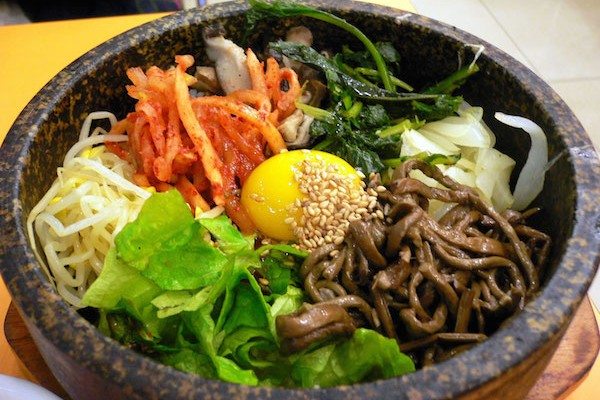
92, 366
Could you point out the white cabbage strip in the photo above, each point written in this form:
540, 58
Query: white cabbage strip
531, 179
480, 165
86, 206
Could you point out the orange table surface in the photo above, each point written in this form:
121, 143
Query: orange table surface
31, 54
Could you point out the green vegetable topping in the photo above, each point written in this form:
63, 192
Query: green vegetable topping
196, 295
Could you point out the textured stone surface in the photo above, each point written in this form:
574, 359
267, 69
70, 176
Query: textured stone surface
93, 366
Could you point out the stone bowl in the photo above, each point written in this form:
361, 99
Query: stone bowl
92, 366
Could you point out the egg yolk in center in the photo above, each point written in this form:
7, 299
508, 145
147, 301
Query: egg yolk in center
269, 193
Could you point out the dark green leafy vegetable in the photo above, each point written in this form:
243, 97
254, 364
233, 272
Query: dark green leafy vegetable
356, 139
339, 82
279, 9
454, 81
352, 127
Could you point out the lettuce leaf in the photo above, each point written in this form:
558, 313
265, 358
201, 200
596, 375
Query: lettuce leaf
188, 360
288, 303
201, 324
189, 265
229, 238
119, 281
193, 302
164, 222
344, 362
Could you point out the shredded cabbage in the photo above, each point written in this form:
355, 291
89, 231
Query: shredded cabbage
480, 166
531, 179
87, 205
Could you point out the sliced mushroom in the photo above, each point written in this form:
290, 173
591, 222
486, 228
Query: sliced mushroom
300, 34
315, 91
311, 324
230, 63
295, 129
207, 80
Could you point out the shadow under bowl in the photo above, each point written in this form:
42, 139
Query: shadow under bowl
92, 366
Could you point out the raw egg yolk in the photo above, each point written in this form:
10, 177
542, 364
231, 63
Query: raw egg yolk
271, 190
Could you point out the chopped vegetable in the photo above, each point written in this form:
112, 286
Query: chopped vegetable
531, 179
186, 292
210, 160
261, 9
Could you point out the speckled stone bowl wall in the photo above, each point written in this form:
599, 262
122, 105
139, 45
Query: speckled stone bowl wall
92, 366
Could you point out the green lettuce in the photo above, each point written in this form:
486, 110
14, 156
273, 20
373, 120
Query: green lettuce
367, 355
186, 294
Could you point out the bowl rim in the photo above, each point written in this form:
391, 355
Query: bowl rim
542, 318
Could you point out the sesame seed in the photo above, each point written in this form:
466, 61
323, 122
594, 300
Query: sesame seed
331, 201
263, 281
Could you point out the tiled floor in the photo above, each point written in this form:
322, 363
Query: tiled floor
558, 39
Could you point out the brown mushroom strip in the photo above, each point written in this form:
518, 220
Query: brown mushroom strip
366, 243
413, 297
334, 268
383, 313
417, 328
436, 287
481, 245
336, 289
311, 324
353, 301
465, 195
441, 284
399, 230
443, 337
463, 316
311, 280
315, 257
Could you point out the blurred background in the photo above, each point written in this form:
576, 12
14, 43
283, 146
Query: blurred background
558, 39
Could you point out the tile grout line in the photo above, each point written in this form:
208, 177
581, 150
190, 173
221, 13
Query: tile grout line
533, 67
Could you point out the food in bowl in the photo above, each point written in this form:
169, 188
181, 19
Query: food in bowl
389, 230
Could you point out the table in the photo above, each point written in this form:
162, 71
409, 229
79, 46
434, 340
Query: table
31, 54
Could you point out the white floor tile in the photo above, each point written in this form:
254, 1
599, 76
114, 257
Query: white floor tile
579, 96
473, 17
594, 292
561, 38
